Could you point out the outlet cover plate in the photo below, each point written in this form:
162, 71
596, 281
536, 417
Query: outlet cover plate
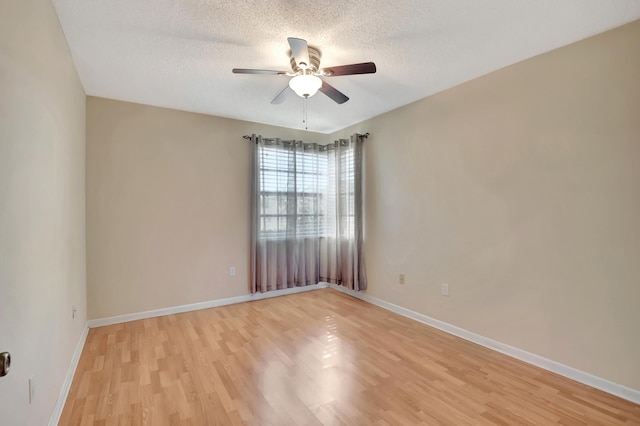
445, 289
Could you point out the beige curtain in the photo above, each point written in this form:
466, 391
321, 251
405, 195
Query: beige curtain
307, 215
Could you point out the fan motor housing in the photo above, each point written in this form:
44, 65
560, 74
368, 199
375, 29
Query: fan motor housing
314, 58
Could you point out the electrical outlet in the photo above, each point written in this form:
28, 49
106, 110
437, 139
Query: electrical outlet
32, 389
401, 279
445, 289
232, 271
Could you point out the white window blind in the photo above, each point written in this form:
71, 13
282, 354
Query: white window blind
299, 189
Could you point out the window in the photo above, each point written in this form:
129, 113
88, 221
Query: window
298, 191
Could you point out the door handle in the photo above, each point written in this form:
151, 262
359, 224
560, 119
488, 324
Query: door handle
5, 363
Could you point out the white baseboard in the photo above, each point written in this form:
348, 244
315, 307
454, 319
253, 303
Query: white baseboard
200, 305
68, 379
629, 394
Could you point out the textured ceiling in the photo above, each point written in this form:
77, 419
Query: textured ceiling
179, 53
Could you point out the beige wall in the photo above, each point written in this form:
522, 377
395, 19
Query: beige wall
521, 190
167, 206
42, 208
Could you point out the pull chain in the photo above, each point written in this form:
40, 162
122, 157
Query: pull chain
305, 117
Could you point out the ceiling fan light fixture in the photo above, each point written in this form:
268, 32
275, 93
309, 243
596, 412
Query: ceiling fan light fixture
305, 85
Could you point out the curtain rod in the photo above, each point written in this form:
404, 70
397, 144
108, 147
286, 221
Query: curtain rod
365, 135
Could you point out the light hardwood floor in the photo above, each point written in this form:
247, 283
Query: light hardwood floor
320, 357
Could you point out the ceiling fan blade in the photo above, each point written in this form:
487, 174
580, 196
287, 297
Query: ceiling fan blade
336, 95
250, 71
300, 51
281, 96
363, 68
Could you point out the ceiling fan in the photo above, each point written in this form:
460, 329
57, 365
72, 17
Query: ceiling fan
306, 81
